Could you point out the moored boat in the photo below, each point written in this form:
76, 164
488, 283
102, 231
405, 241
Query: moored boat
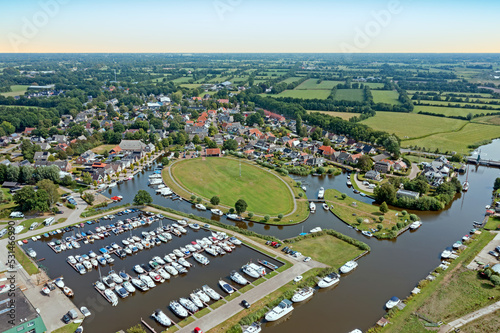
302, 294
178, 309
312, 207
212, 293
329, 280
236, 277
394, 301
415, 225
226, 287
348, 266
282, 309
161, 318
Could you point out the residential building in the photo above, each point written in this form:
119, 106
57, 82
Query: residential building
373, 175
26, 319
382, 166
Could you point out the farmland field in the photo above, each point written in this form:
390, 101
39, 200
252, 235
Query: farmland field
343, 115
305, 94
411, 125
373, 85
191, 85
385, 96
313, 84
355, 95
471, 133
488, 120
291, 79
17, 90
450, 111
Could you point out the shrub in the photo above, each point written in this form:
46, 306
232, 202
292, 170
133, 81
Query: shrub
280, 216
413, 217
399, 225
379, 226
266, 218
381, 218
495, 279
198, 200
250, 215
343, 195
193, 197
70, 206
231, 210
404, 212
359, 220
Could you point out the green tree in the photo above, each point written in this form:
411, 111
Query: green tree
359, 220
343, 195
383, 208
212, 130
24, 198
142, 198
381, 219
280, 216
198, 200
250, 214
385, 193
215, 200
196, 139
365, 163
496, 186
86, 178
266, 218
391, 144
240, 206
136, 329
89, 198
495, 279
51, 189
230, 144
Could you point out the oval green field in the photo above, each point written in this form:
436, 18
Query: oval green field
263, 191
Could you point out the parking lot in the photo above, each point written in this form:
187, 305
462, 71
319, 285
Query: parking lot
484, 257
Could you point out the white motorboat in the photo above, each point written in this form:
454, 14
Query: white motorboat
447, 253
184, 262
99, 285
116, 278
235, 241
172, 271
321, 193
217, 212
178, 253
193, 247
71, 260
366, 233
178, 309
156, 277
159, 260
415, 225
31, 253
394, 301
200, 207
304, 188
87, 265
325, 206
182, 222
236, 277
161, 318
212, 293
356, 331
85, 312
317, 229
128, 287
234, 217
312, 207
211, 251
163, 274
59, 282
167, 258
121, 291
140, 284
226, 287
281, 310
348, 266
302, 294
111, 296
349, 183
254, 328
138, 269
147, 280
202, 295
259, 269
181, 269
196, 300
188, 304
250, 271
329, 280
194, 226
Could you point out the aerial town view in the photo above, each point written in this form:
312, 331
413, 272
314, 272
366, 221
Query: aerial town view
249, 166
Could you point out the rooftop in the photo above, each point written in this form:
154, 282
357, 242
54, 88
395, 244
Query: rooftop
25, 311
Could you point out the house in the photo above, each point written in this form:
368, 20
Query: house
59, 138
61, 146
132, 146
341, 157
399, 165
86, 157
367, 149
373, 175
407, 194
326, 151
213, 152
383, 166
41, 156
28, 130
353, 159
315, 161
26, 319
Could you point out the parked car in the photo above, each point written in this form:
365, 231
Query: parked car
197, 330
277, 245
245, 304
66, 318
284, 249
494, 254
497, 248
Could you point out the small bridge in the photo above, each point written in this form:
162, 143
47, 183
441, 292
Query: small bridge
316, 200
490, 163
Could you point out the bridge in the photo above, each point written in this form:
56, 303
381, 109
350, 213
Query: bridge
490, 163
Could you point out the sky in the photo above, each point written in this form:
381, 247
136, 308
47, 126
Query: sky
249, 26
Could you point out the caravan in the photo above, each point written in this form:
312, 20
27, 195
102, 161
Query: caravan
48, 221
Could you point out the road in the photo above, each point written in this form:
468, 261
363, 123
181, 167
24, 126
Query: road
457, 323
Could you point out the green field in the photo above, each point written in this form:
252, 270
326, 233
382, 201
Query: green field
312, 84
385, 96
448, 111
305, 94
17, 90
373, 85
355, 95
411, 125
291, 79
458, 141
343, 115
264, 192
327, 249
488, 120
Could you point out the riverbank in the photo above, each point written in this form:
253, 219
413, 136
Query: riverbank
366, 217
453, 293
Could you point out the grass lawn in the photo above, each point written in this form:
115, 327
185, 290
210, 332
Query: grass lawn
258, 281
492, 224
264, 192
486, 324
232, 296
17, 90
186, 321
100, 149
369, 213
27, 224
191, 85
291, 79
488, 120
411, 125
355, 95
70, 328
304, 94
327, 249
202, 312
453, 294
470, 134
385, 96
23, 259
246, 288
217, 304
343, 115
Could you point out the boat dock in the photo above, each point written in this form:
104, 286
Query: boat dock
147, 326
268, 265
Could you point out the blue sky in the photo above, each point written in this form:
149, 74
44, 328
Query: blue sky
249, 26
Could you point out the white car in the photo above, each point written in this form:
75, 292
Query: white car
306, 259
16, 214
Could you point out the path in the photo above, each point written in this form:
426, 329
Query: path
457, 323
185, 190
414, 171
360, 185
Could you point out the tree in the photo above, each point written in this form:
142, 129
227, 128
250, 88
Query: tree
142, 198
365, 163
298, 125
391, 144
41, 201
495, 279
383, 208
86, 178
240, 206
24, 198
266, 218
385, 193
215, 200
343, 195
196, 139
496, 186
198, 200
89, 198
381, 219
280, 216
51, 189
250, 214
230, 144
212, 130
359, 220
136, 329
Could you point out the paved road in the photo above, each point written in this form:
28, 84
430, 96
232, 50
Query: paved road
364, 188
414, 171
457, 323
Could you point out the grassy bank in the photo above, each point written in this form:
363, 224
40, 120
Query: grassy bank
26, 262
454, 293
94, 211
493, 223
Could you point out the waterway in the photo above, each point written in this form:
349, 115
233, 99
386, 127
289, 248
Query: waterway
393, 268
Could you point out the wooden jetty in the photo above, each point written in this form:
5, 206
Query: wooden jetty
147, 326
268, 264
